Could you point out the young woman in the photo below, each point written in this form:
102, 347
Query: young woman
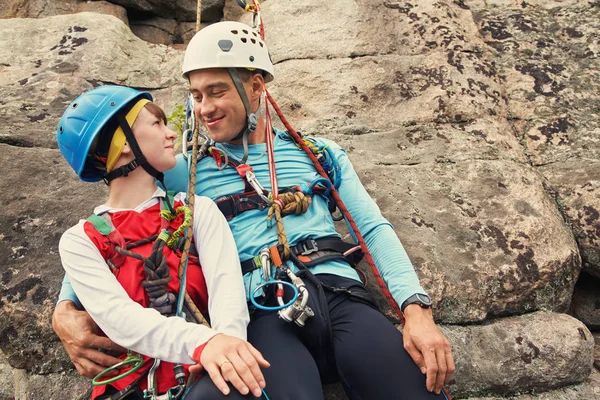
123, 261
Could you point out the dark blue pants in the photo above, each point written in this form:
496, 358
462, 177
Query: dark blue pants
347, 340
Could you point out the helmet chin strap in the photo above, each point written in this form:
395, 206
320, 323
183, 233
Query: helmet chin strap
251, 118
139, 160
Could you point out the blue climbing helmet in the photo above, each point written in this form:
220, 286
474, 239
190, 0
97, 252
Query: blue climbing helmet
86, 118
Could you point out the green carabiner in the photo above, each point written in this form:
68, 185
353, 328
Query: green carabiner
132, 359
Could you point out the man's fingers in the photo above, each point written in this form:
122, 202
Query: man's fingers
451, 365
432, 368
98, 357
440, 356
89, 369
102, 342
415, 355
215, 375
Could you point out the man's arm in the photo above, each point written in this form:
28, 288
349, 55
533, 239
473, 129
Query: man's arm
78, 334
422, 338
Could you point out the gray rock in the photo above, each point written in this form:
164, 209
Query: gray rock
44, 199
50, 386
534, 352
586, 301
340, 28
36, 8
472, 125
549, 60
7, 385
588, 389
156, 30
47, 62
183, 10
104, 7
575, 184
472, 230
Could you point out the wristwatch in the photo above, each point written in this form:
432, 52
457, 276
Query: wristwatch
418, 298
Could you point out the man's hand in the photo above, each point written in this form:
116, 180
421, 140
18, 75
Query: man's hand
428, 347
227, 358
78, 333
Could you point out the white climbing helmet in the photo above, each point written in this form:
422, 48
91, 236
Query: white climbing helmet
228, 44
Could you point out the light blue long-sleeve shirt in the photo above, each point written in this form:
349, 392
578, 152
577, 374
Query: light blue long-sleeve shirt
250, 229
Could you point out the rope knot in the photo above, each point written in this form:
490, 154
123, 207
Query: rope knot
287, 203
173, 240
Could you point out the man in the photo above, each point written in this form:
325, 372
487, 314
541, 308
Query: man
344, 337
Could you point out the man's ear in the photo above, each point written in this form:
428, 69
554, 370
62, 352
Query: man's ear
258, 84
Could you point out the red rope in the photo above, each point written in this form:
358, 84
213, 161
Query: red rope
342, 207
270, 152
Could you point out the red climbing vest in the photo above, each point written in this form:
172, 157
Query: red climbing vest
131, 226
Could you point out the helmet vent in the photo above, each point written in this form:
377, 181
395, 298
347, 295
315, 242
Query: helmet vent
60, 129
234, 32
244, 40
74, 105
245, 31
254, 33
261, 44
253, 41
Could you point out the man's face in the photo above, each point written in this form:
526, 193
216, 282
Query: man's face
217, 103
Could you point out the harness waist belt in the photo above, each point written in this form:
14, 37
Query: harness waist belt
315, 251
235, 204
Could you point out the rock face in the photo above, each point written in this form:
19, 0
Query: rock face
472, 124
586, 301
520, 354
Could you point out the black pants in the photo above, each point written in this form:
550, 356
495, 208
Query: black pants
347, 340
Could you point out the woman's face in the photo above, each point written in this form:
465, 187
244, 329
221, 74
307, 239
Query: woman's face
156, 140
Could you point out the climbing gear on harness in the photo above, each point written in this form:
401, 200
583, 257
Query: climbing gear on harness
315, 251
296, 309
134, 360
87, 117
299, 311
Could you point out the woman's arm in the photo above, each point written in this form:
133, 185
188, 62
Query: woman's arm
222, 271
127, 323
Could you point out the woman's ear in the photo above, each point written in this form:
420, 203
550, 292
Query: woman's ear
126, 148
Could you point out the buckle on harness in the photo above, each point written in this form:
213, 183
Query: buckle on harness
306, 247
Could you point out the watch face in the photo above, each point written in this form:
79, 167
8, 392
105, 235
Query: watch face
424, 299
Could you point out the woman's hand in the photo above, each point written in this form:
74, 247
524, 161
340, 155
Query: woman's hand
229, 359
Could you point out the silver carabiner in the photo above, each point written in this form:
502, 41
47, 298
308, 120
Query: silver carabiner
152, 390
265, 261
251, 178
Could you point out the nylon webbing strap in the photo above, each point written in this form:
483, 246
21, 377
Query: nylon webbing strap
315, 251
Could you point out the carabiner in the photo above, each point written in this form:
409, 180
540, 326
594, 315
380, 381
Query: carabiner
132, 359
